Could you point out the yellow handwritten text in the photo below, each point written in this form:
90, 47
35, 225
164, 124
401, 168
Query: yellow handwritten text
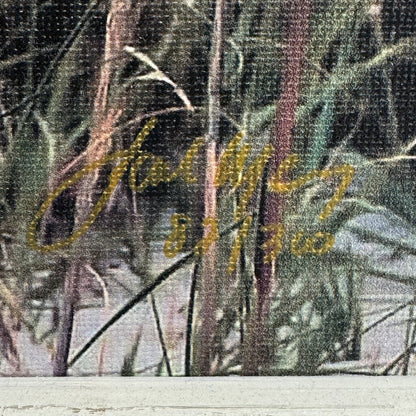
210, 238
311, 242
273, 246
346, 172
126, 156
176, 240
159, 172
230, 170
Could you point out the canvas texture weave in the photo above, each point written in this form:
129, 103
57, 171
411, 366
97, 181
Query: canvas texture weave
204, 188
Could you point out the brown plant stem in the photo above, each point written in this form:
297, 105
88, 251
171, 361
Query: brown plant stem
190, 320
105, 119
208, 289
256, 354
70, 292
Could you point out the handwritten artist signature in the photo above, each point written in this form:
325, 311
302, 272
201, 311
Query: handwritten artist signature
230, 171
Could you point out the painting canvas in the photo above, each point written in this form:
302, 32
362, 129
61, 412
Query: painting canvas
207, 187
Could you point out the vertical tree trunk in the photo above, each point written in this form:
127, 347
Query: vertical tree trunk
208, 286
256, 355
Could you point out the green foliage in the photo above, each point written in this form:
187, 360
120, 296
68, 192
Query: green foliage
164, 71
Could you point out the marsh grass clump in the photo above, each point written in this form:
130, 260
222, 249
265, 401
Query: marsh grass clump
329, 81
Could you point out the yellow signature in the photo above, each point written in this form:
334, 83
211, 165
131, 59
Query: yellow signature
230, 170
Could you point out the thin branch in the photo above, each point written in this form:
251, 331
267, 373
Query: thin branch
106, 298
149, 367
370, 327
190, 319
66, 45
130, 358
158, 75
143, 293
7, 121
400, 357
343, 146
160, 334
387, 316
6, 64
78, 161
409, 338
155, 113
132, 303
393, 159
410, 146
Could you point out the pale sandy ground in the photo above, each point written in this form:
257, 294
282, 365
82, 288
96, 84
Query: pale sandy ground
379, 346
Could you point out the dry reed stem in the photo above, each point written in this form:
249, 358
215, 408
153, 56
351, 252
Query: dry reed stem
204, 339
118, 33
256, 354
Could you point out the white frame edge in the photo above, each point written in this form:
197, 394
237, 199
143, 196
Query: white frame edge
256, 396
